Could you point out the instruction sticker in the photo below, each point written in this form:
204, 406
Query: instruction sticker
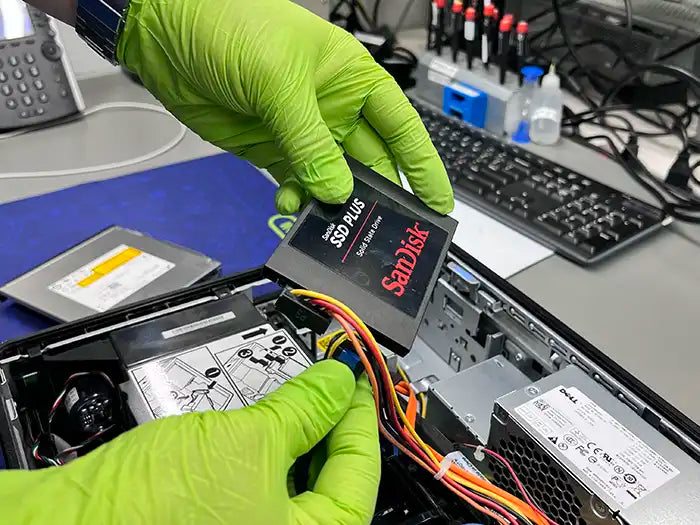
227, 374
112, 278
616, 460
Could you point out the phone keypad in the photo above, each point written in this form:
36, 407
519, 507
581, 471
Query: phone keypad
32, 76
27, 99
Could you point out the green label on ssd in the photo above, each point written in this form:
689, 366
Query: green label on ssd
375, 243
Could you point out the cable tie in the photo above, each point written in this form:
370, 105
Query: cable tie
446, 463
479, 453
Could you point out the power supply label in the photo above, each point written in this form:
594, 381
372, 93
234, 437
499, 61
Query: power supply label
613, 458
375, 243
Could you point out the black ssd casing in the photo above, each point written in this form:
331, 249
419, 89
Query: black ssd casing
380, 253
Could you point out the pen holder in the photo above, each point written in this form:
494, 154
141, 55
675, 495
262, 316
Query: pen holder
435, 72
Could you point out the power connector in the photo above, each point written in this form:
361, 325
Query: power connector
680, 173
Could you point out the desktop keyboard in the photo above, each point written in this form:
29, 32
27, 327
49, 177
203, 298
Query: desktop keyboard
574, 215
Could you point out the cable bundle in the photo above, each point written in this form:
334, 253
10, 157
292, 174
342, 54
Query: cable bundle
397, 425
60, 457
601, 94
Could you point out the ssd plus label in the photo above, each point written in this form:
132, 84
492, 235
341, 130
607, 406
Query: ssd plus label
375, 243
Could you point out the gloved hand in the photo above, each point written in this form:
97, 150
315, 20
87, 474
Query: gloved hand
220, 467
274, 84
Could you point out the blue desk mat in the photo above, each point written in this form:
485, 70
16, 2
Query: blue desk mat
220, 206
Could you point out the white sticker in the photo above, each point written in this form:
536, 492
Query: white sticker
611, 456
440, 66
71, 398
226, 374
110, 279
545, 113
438, 78
198, 325
462, 462
466, 90
369, 38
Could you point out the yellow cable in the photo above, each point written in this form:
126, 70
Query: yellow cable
423, 404
526, 510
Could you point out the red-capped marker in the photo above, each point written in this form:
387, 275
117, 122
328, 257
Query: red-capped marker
440, 29
470, 33
503, 47
494, 32
486, 34
522, 45
457, 21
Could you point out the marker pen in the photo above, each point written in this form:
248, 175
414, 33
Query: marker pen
493, 37
486, 35
470, 33
432, 24
503, 48
440, 32
522, 49
457, 21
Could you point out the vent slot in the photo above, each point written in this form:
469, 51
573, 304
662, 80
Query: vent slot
538, 473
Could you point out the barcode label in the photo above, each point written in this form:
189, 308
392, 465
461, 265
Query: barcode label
198, 325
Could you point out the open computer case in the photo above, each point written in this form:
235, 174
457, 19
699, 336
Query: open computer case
489, 359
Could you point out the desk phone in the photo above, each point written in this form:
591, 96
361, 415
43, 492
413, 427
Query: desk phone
37, 83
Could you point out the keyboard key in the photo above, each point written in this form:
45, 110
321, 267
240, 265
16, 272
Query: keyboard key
572, 237
3, 76
522, 212
494, 197
638, 223
587, 247
612, 234
13, 61
551, 225
6, 90
471, 185
18, 74
23, 88
506, 204
29, 58
496, 177
11, 103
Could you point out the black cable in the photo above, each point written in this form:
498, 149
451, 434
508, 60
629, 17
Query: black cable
682, 131
629, 14
375, 13
402, 16
548, 10
693, 167
695, 41
664, 69
556, 6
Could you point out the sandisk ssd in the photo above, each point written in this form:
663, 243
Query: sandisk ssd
380, 253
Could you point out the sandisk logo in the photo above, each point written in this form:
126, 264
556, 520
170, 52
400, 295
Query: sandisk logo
408, 256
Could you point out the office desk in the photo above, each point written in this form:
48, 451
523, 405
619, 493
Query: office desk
640, 307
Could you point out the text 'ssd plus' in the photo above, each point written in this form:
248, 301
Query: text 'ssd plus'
380, 253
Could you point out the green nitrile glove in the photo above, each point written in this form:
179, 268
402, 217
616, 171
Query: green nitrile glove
273, 83
220, 467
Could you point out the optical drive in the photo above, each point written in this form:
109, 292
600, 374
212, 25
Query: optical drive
113, 268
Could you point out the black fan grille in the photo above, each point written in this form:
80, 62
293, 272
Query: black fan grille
545, 482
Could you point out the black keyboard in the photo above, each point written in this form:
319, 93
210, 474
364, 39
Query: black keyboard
577, 217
